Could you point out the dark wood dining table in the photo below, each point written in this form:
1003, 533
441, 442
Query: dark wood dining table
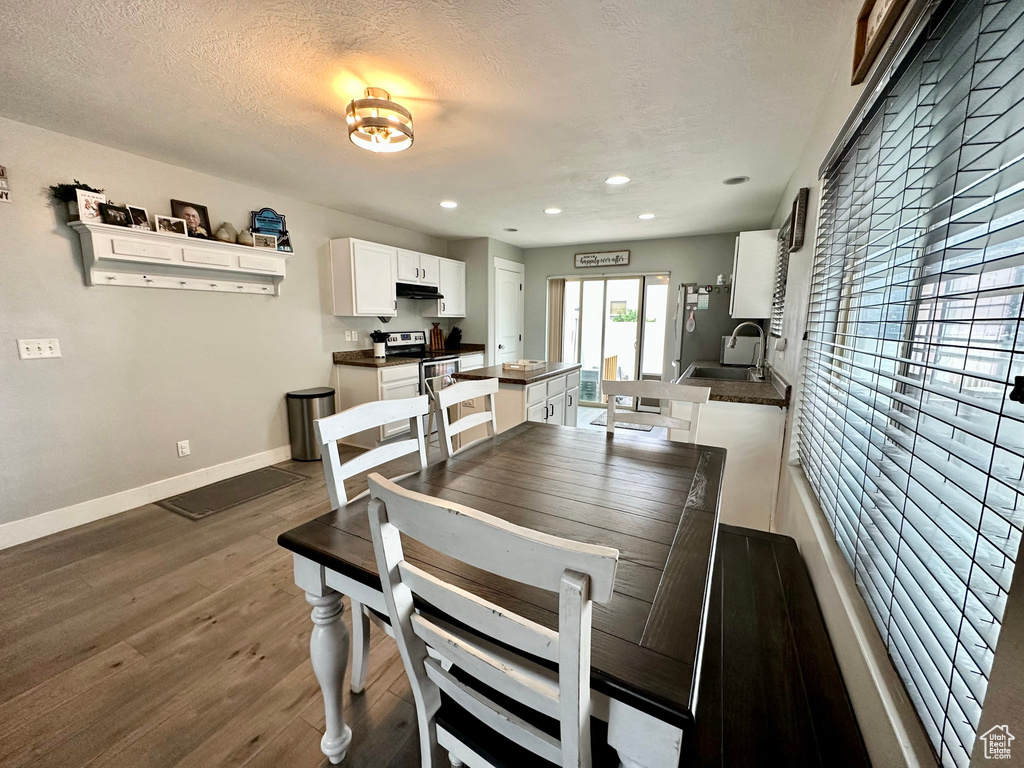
655, 501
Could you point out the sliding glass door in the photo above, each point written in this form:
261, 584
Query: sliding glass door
602, 330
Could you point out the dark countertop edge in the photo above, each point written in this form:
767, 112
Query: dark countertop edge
523, 378
364, 357
726, 391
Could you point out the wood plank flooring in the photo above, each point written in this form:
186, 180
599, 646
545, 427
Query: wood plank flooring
149, 640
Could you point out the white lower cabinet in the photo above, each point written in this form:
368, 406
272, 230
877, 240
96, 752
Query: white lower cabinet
753, 435
554, 400
356, 385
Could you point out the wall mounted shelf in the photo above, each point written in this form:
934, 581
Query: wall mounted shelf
144, 259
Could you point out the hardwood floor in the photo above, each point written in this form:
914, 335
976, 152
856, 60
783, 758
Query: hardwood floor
149, 640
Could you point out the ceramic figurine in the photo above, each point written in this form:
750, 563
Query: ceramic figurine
245, 237
226, 233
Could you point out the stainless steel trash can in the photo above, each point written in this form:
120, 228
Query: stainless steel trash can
304, 407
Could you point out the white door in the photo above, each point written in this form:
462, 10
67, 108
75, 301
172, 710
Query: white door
373, 277
508, 312
571, 406
408, 266
428, 269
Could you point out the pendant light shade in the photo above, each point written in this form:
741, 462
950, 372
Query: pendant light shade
378, 124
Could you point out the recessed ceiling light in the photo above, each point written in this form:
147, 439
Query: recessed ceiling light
552, 211
732, 181
449, 204
646, 216
511, 229
616, 180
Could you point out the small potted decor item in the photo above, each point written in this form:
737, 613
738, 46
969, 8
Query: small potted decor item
73, 195
245, 237
379, 337
226, 233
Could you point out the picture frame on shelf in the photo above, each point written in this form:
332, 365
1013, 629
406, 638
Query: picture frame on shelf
259, 240
89, 206
875, 23
138, 217
196, 217
169, 225
115, 215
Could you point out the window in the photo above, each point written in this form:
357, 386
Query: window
915, 335
781, 275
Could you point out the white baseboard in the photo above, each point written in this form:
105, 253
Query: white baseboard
46, 523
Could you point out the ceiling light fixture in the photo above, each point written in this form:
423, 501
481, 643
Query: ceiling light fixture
646, 216
378, 124
552, 211
732, 181
448, 204
616, 180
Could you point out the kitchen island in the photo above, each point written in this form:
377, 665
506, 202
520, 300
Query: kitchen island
549, 394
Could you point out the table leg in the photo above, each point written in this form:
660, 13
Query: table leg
328, 650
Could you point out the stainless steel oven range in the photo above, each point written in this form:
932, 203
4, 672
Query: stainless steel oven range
433, 363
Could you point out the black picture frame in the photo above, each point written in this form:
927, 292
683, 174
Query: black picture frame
115, 215
198, 225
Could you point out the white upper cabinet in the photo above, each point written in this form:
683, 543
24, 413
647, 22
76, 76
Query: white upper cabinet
363, 277
753, 274
417, 268
452, 285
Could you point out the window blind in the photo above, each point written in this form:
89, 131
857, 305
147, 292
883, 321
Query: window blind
781, 275
915, 335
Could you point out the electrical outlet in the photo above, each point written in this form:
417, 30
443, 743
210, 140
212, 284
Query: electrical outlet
183, 449
30, 349
350, 336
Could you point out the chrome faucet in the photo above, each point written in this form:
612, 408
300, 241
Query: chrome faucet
759, 372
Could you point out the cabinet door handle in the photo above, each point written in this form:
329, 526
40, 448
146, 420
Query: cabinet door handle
417, 271
442, 306
570, 401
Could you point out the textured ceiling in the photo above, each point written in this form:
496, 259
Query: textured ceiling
517, 105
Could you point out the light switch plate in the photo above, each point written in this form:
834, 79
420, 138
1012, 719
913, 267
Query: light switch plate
31, 349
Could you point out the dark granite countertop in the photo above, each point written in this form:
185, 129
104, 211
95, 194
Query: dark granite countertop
364, 357
521, 378
776, 391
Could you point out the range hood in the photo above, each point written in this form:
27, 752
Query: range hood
411, 291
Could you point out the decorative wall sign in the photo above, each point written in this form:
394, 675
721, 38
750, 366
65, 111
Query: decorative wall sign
798, 220
602, 259
267, 221
5, 186
874, 24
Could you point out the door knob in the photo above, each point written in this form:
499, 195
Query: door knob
501, 346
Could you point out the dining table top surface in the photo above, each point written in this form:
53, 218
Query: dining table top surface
655, 501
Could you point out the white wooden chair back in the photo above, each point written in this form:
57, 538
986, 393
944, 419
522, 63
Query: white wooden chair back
331, 429
457, 393
680, 429
579, 573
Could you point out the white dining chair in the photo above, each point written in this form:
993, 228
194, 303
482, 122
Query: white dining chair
447, 430
432, 385
331, 429
680, 429
456, 668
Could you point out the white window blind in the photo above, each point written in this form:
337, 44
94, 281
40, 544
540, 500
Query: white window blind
915, 335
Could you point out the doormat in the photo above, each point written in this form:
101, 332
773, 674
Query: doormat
602, 421
211, 499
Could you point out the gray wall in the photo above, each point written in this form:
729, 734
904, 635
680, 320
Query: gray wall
143, 368
687, 260
479, 254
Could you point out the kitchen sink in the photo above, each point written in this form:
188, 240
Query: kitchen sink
723, 374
